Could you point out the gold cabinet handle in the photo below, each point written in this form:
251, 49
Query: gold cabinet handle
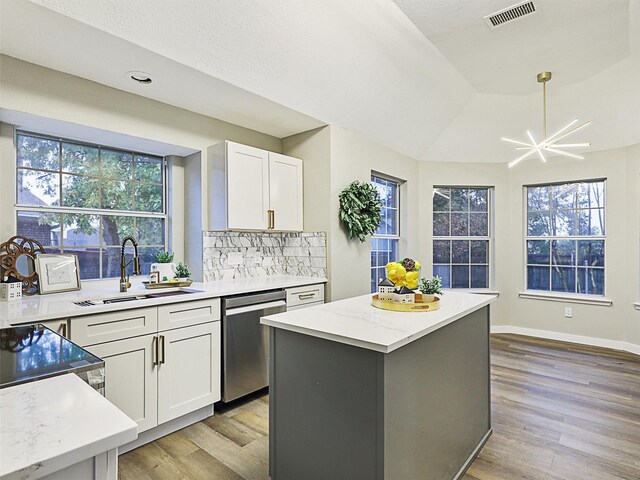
63, 329
272, 219
154, 350
304, 296
162, 341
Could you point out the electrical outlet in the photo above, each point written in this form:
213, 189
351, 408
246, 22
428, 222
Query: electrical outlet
568, 312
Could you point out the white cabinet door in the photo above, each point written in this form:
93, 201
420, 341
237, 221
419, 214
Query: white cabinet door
285, 192
131, 382
189, 371
247, 187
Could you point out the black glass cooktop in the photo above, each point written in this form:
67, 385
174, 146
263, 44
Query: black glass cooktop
33, 352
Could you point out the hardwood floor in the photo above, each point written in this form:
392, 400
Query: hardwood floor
560, 411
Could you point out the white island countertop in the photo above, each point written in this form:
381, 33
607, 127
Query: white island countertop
51, 424
39, 308
356, 322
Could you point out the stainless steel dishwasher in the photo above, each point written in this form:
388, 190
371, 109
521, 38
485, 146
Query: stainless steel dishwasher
245, 343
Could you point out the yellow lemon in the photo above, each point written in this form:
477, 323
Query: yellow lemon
390, 266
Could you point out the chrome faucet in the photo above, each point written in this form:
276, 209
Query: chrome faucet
124, 280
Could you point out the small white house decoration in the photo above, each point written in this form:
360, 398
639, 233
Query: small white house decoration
405, 295
10, 291
386, 290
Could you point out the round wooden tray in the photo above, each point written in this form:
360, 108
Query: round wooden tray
419, 306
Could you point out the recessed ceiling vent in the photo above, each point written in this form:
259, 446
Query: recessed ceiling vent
510, 13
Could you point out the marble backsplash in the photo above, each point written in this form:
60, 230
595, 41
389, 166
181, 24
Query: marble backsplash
231, 255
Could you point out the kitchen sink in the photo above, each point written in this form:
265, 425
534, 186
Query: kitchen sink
133, 298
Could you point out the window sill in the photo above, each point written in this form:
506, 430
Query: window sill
482, 291
567, 298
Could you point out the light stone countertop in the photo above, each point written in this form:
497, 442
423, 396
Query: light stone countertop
40, 308
51, 424
355, 321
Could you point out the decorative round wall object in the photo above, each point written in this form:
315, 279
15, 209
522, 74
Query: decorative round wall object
360, 208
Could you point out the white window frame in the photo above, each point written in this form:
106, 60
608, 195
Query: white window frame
490, 238
18, 207
396, 238
573, 297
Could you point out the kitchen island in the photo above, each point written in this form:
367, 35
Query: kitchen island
359, 392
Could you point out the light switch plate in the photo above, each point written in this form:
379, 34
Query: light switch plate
568, 312
235, 258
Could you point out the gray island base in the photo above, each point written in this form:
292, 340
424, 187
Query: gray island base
402, 408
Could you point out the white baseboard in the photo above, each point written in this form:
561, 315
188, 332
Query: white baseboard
568, 337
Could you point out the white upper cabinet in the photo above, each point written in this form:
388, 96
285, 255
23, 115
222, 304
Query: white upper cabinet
253, 189
285, 192
247, 187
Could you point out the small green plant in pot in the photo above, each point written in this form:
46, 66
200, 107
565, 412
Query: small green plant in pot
430, 286
164, 265
164, 257
182, 272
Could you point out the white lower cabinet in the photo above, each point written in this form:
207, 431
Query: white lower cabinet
131, 380
189, 370
160, 363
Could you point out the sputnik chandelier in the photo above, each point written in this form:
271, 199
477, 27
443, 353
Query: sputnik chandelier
549, 143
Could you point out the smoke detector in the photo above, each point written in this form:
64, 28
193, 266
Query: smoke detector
514, 12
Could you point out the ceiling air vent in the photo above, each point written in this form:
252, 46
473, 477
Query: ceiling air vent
511, 13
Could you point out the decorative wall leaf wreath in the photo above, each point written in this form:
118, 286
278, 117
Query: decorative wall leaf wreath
360, 208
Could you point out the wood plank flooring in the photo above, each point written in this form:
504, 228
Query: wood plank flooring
560, 411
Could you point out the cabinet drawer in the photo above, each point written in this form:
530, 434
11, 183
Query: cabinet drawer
188, 313
107, 327
305, 295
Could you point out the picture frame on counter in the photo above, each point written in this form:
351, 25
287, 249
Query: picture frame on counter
58, 273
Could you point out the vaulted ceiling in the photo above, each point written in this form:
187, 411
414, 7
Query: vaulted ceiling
427, 78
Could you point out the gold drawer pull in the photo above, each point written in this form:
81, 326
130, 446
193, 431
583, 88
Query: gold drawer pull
154, 350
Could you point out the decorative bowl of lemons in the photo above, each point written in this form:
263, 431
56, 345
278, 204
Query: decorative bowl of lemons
404, 273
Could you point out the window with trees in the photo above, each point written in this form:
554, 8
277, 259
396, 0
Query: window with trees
384, 242
565, 237
85, 199
462, 236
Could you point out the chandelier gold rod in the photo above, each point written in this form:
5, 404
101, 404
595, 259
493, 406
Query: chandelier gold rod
544, 109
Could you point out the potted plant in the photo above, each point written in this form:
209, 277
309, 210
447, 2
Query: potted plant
164, 266
430, 287
182, 272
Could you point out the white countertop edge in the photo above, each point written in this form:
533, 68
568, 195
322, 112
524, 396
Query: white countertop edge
41, 462
376, 346
61, 306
